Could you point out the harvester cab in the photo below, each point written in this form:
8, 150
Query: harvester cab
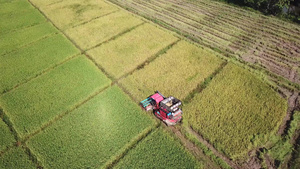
166, 109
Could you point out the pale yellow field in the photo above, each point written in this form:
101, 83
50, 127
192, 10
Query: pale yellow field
69, 13
102, 29
175, 73
125, 53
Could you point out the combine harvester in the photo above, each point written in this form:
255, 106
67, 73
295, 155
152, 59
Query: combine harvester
166, 109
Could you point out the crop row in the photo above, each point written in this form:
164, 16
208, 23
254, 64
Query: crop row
236, 112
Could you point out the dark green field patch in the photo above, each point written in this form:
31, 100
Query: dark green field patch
18, 66
6, 137
13, 21
35, 103
158, 150
14, 40
14, 159
90, 135
236, 112
15, 7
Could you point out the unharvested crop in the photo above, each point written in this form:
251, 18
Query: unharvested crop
6, 137
125, 53
18, 66
90, 135
77, 12
14, 21
158, 150
102, 29
176, 73
35, 103
15, 7
14, 40
15, 158
235, 111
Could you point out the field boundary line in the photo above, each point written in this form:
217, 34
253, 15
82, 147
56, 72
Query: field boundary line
129, 146
201, 86
95, 18
150, 59
54, 3
42, 72
115, 36
25, 27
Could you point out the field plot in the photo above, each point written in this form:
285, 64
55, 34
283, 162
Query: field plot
77, 12
35, 103
13, 21
14, 40
158, 150
11, 7
175, 73
18, 66
125, 53
102, 29
7, 139
15, 158
266, 42
89, 136
236, 110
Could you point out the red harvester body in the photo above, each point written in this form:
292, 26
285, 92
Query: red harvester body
166, 109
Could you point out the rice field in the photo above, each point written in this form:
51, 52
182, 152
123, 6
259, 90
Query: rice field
102, 29
182, 65
236, 112
33, 104
35, 58
131, 49
157, 150
73, 73
92, 134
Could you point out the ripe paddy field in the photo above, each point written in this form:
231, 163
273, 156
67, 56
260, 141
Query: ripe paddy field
73, 72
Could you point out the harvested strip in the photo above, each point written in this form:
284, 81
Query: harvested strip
33, 104
15, 7
175, 73
157, 150
125, 53
76, 11
7, 139
102, 29
236, 112
90, 135
16, 158
25, 63
14, 21
14, 40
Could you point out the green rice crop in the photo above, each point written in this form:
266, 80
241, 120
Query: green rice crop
176, 73
35, 103
15, 7
18, 66
6, 137
15, 158
125, 53
76, 12
90, 135
102, 29
14, 40
158, 150
236, 112
13, 21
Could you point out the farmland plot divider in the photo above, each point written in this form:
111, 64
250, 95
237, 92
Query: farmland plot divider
94, 19
150, 59
40, 73
133, 143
